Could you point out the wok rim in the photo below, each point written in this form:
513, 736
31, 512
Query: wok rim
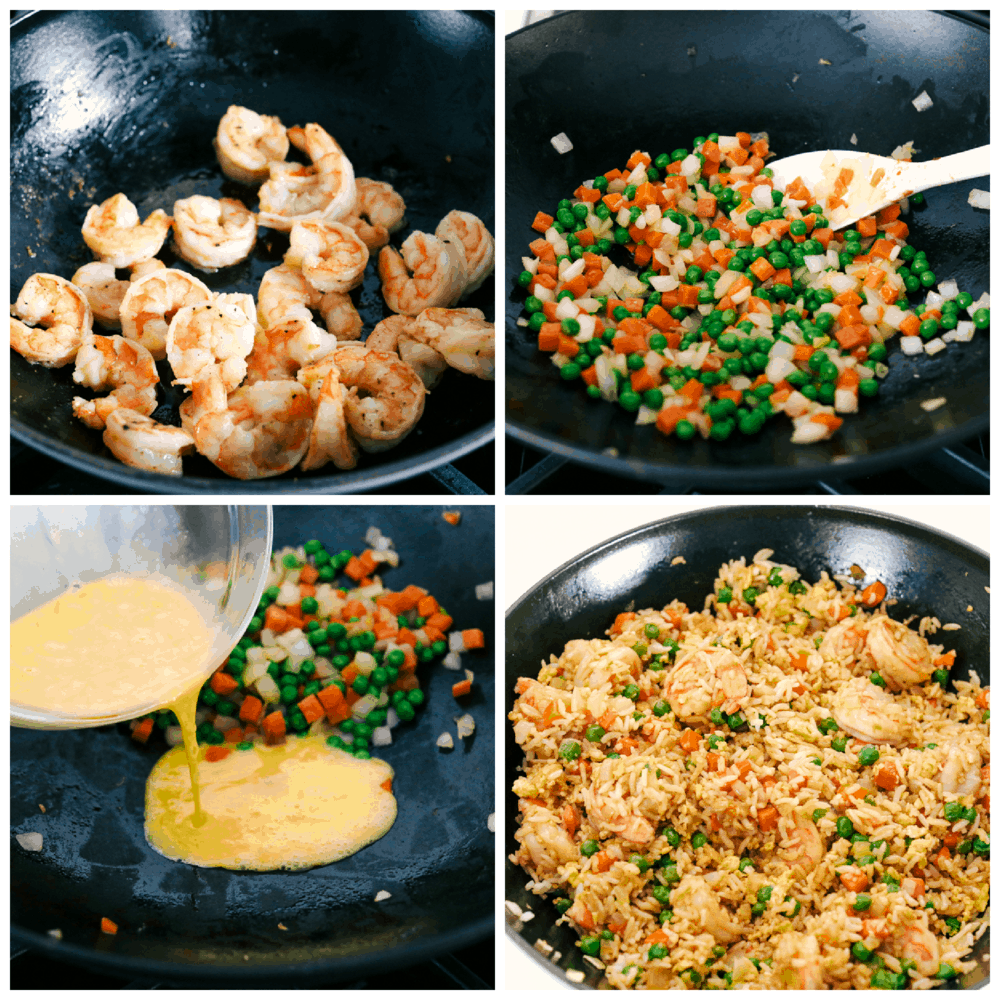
348, 482
718, 475
860, 515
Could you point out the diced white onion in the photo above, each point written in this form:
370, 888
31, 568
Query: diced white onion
391, 718
466, 726
979, 199
815, 262
455, 642
451, 661
363, 706
947, 289
381, 737
484, 591
911, 345
561, 142
567, 308
778, 368
922, 102
445, 742
30, 841
934, 346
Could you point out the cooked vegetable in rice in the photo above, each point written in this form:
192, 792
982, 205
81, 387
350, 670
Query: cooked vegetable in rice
785, 790
744, 303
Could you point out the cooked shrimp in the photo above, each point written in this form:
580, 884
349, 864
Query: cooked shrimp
105, 292
330, 439
596, 662
385, 397
545, 840
53, 317
121, 365
801, 843
247, 143
961, 772
331, 255
394, 334
378, 211
463, 336
260, 430
213, 232
323, 192
617, 818
280, 352
706, 679
470, 233
151, 302
901, 655
694, 899
869, 713
797, 961
218, 333
285, 294
845, 642
141, 442
113, 231
427, 274
917, 944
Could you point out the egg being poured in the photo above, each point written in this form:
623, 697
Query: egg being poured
297, 805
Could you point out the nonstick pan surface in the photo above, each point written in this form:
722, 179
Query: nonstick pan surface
621, 80
179, 922
108, 101
927, 571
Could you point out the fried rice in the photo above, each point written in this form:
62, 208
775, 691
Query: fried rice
785, 790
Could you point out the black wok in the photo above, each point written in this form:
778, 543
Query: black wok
107, 101
927, 571
178, 922
617, 81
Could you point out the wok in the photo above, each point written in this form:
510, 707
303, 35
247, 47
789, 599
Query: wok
616, 81
107, 101
183, 923
929, 572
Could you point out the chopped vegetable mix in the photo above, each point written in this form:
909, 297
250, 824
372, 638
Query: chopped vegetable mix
322, 657
744, 303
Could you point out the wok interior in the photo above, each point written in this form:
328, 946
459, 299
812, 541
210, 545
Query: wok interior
130, 101
653, 82
929, 574
436, 860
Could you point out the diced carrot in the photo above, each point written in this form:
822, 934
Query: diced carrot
217, 753
311, 708
886, 778
645, 195
849, 316
308, 574
542, 222
822, 236
234, 735
762, 268
643, 255
852, 336
409, 659
589, 375
407, 681
724, 255
638, 157
642, 381
800, 661
945, 659
705, 207
545, 279
873, 594
587, 194
108, 926
767, 818
692, 390
334, 704
568, 346
621, 621
542, 249
712, 759
273, 728
614, 201
548, 336
660, 318
910, 326
578, 286
433, 634
888, 214
549, 311
223, 683
689, 740
252, 709
951, 839
854, 881
898, 230
867, 226
277, 618
803, 352
881, 249
585, 238
349, 673
658, 937
472, 638
353, 569
888, 293
848, 379
727, 392
602, 862
143, 730
827, 419
783, 276
710, 150
461, 688
629, 344
383, 630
